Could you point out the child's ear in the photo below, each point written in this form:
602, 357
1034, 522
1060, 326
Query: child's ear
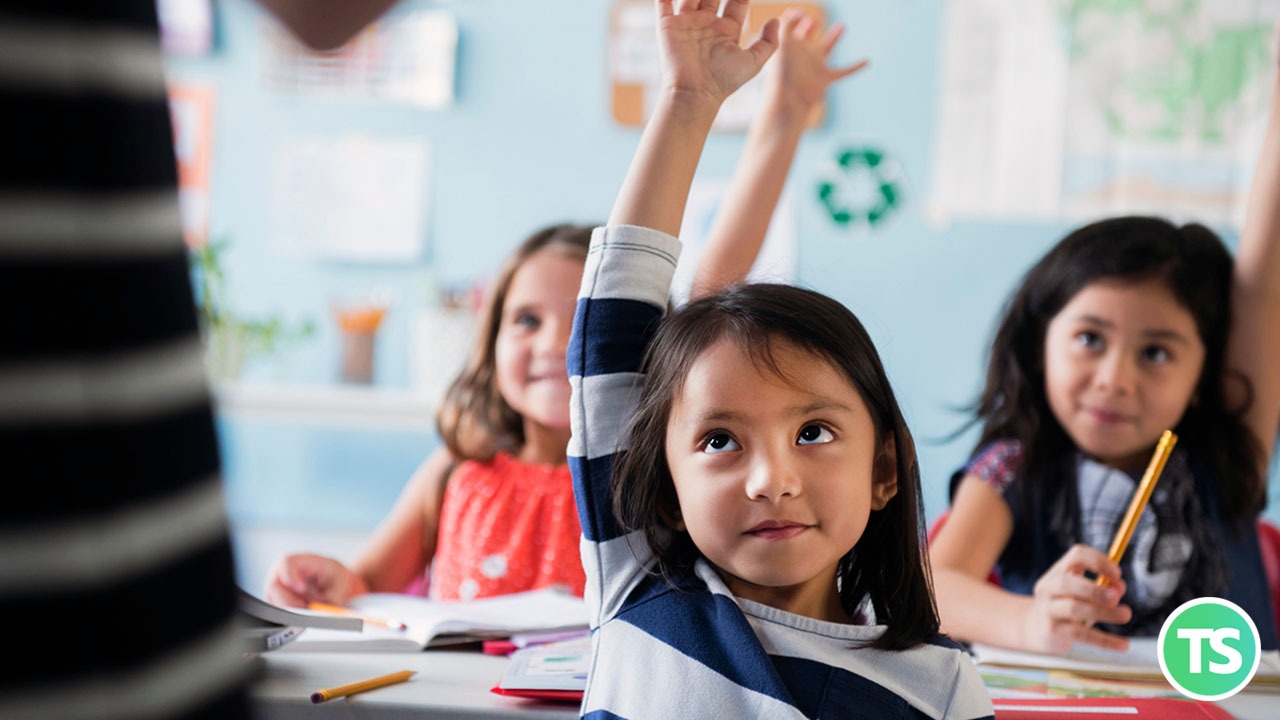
884, 481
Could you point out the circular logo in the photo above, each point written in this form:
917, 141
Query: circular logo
1209, 648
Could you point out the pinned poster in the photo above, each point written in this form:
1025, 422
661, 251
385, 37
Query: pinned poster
635, 74
351, 197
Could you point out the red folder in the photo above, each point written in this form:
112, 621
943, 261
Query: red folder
574, 696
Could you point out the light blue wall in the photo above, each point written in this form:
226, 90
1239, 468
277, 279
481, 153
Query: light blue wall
530, 140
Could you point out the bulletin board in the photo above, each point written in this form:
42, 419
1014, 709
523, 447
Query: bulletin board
635, 72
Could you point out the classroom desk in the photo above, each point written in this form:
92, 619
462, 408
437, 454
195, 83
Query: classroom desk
455, 684
448, 684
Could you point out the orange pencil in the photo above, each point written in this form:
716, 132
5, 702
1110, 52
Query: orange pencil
320, 696
1140, 498
339, 610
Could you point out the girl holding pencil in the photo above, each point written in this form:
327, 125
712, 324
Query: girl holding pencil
1128, 327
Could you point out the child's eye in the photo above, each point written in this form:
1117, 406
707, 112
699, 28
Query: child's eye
719, 443
1156, 354
815, 434
1089, 339
527, 320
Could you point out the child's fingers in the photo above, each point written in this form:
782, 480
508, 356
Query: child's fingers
1105, 640
765, 43
790, 21
806, 26
666, 8
736, 10
830, 38
1085, 613
847, 71
280, 594
1081, 558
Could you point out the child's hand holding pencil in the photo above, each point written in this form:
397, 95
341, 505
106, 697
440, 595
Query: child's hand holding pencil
1085, 586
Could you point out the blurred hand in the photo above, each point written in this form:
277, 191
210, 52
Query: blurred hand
296, 580
798, 75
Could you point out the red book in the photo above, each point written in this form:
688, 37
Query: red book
1095, 709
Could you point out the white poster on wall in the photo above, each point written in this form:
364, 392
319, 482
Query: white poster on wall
1068, 109
351, 197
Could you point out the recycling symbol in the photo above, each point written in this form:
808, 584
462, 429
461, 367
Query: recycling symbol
863, 187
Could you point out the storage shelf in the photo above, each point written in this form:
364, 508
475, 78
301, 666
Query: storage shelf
395, 408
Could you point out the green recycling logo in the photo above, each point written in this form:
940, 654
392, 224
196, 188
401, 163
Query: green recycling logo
863, 187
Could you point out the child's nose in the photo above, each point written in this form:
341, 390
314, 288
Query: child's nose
1116, 373
772, 477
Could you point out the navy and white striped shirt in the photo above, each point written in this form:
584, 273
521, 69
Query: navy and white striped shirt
697, 651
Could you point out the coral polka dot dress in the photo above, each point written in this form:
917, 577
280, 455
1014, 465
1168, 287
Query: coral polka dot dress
506, 526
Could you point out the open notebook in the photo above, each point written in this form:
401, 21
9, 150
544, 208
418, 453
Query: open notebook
267, 627
1139, 662
550, 671
430, 623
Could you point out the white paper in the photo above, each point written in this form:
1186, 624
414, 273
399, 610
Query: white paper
353, 197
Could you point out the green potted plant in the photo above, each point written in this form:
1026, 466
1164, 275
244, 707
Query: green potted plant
231, 340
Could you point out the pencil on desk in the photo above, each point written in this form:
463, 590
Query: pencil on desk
339, 610
358, 687
1140, 498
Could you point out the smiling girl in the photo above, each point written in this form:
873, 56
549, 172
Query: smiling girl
1126, 328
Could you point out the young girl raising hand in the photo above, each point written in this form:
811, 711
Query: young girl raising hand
1126, 328
493, 512
762, 510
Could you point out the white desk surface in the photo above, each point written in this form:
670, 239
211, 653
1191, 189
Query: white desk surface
455, 684
448, 684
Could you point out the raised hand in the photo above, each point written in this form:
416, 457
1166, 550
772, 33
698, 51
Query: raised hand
701, 51
799, 74
1066, 604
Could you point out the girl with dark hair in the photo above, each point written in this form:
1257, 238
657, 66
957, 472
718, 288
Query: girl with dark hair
748, 490
504, 462
1126, 328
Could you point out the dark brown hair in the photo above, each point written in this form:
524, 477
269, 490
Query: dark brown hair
474, 420
887, 565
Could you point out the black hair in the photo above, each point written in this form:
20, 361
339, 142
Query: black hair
1196, 267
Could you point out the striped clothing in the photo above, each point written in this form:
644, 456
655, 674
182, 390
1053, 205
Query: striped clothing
696, 650
114, 545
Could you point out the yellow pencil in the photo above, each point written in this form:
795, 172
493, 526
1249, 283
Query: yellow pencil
339, 610
1140, 498
358, 687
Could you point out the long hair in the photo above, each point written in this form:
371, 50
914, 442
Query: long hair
1196, 267
474, 421
887, 565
